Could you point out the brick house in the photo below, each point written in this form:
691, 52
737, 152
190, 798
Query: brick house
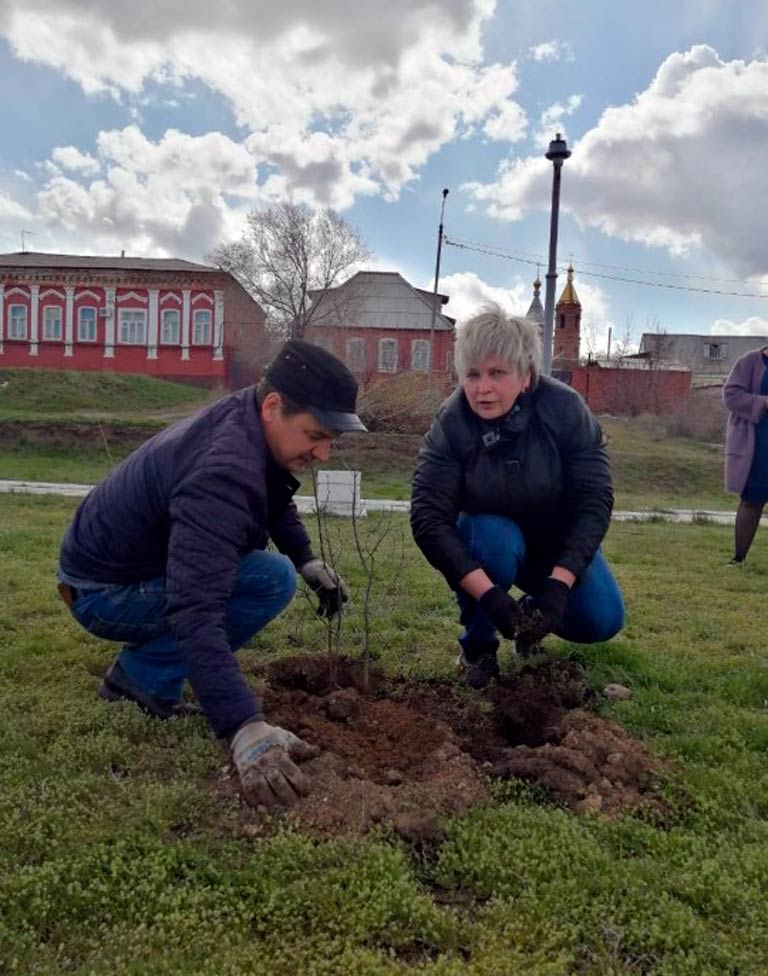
161, 317
381, 326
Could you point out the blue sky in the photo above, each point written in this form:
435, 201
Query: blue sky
153, 128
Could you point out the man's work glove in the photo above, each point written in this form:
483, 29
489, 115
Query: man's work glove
263, 755
542, 613
502, 610
330, 588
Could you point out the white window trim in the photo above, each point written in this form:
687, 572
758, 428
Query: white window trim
387, 343
356, 342
195, 315
18, 338
87, 308
177, 340
60, 336
420, 344
131, 342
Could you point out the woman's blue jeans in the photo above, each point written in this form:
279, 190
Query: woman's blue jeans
595, 609
138, 616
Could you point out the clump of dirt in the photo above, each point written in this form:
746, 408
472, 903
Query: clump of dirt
407, 753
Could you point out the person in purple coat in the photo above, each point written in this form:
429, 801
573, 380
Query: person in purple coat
745, 394
169, 556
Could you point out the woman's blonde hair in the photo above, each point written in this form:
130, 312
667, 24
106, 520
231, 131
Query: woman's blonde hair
492, 333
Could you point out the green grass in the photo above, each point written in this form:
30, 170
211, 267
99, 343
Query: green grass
59, 394
649, 472
117, 858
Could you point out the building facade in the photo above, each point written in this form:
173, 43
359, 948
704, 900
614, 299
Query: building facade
161, 317
566, 328
708, 357
381, 326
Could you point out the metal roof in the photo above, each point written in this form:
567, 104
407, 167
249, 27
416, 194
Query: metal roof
39, 259
379, 300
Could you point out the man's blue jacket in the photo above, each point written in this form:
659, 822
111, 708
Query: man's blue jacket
188, 505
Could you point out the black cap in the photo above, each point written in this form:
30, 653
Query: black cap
314, 378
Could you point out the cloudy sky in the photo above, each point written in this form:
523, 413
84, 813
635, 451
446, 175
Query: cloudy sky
155, 126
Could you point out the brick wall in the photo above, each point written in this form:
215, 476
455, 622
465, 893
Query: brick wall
632, 391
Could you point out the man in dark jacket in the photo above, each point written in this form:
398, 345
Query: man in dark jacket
168, 555
513, 486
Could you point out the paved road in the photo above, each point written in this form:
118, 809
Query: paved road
305, 503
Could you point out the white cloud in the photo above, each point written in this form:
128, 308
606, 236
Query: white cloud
553, 50
678, 168
11, 209
337, 101
70, 158
180, 195
551, 120
468, 293
754, 325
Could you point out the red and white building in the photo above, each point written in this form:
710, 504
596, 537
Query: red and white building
380, 326
161, 317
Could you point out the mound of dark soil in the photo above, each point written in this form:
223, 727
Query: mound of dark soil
407, 753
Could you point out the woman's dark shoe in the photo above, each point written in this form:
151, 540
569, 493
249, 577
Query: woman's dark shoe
479, 669
736, 561
118, 686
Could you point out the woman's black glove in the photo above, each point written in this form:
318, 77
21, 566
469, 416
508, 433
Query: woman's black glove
544, 613
502, 610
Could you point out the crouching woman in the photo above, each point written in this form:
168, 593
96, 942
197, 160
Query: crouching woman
513, 487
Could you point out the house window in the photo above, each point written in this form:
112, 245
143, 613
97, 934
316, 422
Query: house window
201, 328
420, 349
715, 350
52, 323
325, 342
169, 334
561, 321
449, 361
17, 322
387, 355
133, 326
86, 324
356, 355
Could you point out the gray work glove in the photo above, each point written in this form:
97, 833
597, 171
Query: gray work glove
330, 588
263, 755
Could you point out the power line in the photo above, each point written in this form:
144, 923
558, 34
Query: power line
498, 253
539, 259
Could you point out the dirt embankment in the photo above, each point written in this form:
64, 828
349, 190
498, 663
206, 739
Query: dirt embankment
73, 434
407, 753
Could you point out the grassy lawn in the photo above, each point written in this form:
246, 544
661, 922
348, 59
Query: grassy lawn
649, 471
117, 858
27, 394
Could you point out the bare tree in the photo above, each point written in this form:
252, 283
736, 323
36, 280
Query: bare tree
624, 345
367, 543
288, 253
332, 623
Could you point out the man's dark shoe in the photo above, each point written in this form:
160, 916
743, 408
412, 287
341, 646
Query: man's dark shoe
118, 686
479, 669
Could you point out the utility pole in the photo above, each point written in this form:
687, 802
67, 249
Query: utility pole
434, 292
558, 152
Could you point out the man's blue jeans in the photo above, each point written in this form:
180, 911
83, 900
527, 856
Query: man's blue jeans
595, 609
138, 616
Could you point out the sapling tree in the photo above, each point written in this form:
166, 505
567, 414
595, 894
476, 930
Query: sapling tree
329, 557
368, 541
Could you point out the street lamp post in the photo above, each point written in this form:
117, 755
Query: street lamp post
558, 152
434, 291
